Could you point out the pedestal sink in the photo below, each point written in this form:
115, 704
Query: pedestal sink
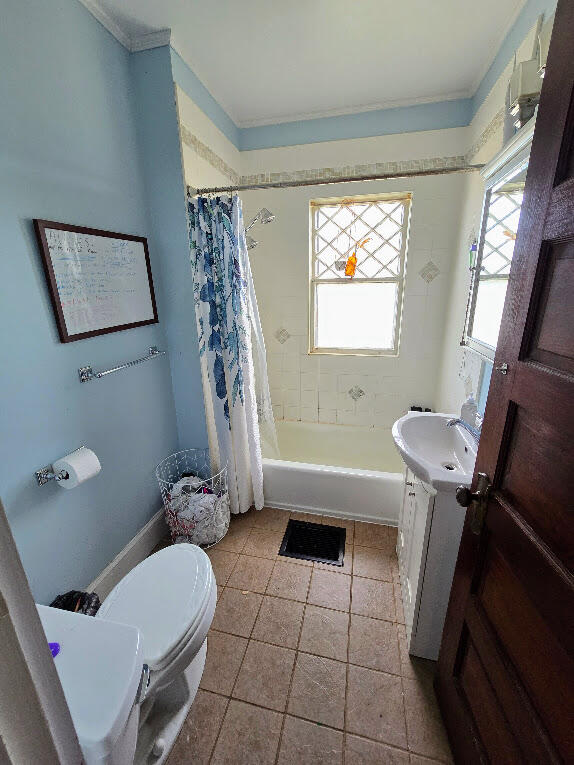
441, 457
438, 459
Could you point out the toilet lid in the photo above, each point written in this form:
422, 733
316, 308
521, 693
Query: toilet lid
164, 596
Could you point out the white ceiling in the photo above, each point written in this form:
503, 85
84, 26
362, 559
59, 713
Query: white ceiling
275, 60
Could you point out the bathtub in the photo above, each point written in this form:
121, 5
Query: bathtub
339, 470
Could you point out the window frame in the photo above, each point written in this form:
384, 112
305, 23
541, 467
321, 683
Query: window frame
497, 173
406, 199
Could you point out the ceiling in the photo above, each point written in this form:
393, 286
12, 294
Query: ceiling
268, 61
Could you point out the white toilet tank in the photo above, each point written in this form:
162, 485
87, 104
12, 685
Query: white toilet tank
100, 665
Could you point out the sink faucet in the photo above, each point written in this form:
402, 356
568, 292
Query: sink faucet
474, 432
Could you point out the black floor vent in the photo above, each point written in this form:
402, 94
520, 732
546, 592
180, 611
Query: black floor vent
313, 541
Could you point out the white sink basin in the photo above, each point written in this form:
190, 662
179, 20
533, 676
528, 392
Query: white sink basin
440, 456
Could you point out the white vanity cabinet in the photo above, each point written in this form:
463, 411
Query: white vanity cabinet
430, 526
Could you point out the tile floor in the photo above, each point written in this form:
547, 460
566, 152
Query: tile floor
307, 662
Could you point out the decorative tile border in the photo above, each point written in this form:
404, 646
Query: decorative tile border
342, 171
203, 151
491, 129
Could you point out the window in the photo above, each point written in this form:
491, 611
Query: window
356, 304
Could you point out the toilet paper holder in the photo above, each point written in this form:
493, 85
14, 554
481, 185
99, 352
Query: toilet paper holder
46, 474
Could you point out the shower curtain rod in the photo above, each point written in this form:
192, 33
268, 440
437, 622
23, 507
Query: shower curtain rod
326, 181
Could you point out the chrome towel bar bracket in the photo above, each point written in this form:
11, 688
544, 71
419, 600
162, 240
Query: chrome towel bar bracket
87, 373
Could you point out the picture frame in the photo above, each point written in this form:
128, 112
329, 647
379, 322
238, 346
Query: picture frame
99, 281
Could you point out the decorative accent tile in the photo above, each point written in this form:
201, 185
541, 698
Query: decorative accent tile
429, 271
206, 153
356, 393
282, 335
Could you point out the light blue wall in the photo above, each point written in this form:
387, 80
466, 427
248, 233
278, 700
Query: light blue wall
158, 128
68, 152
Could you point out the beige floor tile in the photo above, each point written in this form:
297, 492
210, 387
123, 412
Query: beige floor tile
289, 581
296, 561
359, 751
249, 736
219, 591
263, 543
236, 612
318, 690
373, 598
375, 706
224, 657
234, 540
199, 732
325, 633
265, 675
251, 573
373, 563
341, 523
400, 614
271, 518
306, 743
375, 535
425, 730
222, 563
417, 759
374, 643
330, 590
279, 622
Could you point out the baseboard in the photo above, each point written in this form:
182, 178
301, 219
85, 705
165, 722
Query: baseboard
333, 513
133, 553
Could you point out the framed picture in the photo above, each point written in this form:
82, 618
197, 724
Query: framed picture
99, 281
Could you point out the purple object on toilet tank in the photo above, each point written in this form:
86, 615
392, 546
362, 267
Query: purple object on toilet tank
54, 648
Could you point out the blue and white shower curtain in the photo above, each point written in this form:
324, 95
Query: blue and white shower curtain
237, 400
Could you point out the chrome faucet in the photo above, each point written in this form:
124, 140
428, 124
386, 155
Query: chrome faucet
474, 432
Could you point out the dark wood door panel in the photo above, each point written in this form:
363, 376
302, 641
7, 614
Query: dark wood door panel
553, 325
489, 718
531, 479
544, 667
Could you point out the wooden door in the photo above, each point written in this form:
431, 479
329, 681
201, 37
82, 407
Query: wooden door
505, 678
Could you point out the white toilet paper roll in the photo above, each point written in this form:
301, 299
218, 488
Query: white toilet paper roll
79, 465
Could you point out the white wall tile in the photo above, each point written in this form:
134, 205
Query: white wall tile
327, 382
309, 398
290, 380
308, 381
328, 416
309, 414
291, 397
278, 411
328, 400
292, 412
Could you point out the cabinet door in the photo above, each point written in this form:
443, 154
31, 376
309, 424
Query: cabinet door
421, 502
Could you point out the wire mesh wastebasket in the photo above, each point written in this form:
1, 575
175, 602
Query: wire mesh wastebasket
196, 502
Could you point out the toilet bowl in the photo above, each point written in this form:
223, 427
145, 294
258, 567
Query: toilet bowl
170, 597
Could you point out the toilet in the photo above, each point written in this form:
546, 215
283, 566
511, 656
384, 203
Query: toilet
170, 598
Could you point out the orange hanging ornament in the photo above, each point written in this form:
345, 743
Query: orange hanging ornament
351, 265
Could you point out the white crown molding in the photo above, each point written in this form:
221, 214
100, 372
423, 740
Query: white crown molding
381, 105
106, 21
132, 44
151, 40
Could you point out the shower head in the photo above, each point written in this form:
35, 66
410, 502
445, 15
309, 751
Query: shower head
263, 216
251, 242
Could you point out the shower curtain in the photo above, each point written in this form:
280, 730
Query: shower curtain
231, 347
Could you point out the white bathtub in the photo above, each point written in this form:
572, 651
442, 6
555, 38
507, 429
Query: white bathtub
339, 470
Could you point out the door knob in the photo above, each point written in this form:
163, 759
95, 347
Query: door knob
478, 499
464, 496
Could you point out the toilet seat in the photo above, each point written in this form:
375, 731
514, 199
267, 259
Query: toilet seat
168, 597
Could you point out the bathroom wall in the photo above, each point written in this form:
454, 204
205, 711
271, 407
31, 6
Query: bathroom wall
462, 370
69, 152
315, 388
